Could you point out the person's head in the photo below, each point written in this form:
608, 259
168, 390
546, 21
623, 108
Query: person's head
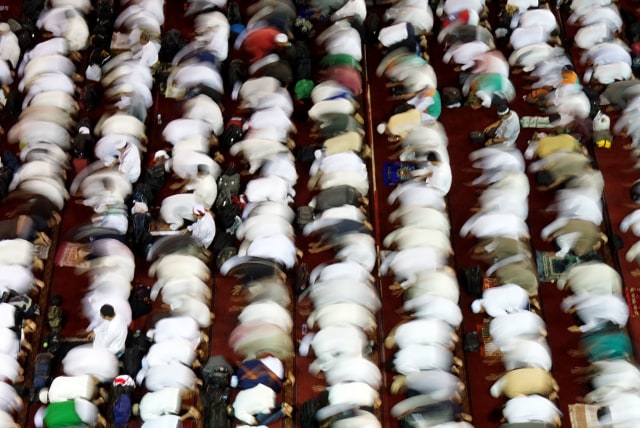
503, 110
160, 156
203, 170
4, 28
43, 395
198, 211
635, 192
282, 39
144, 38
567, 70
107, 312
544, 178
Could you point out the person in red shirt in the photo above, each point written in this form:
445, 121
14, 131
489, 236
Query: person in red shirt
261, 42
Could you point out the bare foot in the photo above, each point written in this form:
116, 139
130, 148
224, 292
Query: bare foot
287, 409
193, 413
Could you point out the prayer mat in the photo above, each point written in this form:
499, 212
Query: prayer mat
488, 349
69, 255
42, 251
535, 122
633, 297
550, 266
396, 172
583, 415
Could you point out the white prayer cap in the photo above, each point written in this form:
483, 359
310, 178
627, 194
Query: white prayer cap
198, 209
161, 153
281, 38
4, 27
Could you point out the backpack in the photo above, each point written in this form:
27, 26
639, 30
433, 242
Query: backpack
140, 301
216, 376
471, 280
309, 409
55, 315
225, 254
336, 196
137, 346
233, 133
122, 410
41, 374
304, 215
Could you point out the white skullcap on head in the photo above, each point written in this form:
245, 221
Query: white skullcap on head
139, 207
198, 209
43, 395
161, 153
4, 27
281, 38
503, 109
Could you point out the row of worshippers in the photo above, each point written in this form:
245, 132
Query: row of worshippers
561, 162
341, 285
170, 370
181, 278
266, 254
74, 397
597, 299
48, 76
518, 333
499, 227
418, 248
105, 186
45, 79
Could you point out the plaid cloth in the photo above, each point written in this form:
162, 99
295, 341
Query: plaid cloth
253, 372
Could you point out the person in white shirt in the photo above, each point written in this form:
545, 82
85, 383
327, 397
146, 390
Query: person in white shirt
172, 328
147, 53
257, 405
9, 46
177, 350
594, 309
527, 324
87, 359
129, 162
345, 395
166, 401
65, 388
111, 333
10, 400
529, 408
174, 375
501, 300
417, 357
440, 384
204, 186
506, 130
354, 369
525, 352
341, 38
10, 369
424, 331
6, 420
204, 228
